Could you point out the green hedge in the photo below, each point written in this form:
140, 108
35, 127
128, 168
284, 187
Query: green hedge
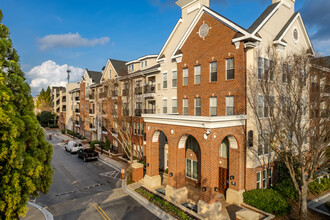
317, 188
63, 131
53, 126
75, 134
107, 144
163, 204
92, 144
287, 190
268, 200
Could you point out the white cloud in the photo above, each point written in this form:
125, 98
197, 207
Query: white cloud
69, 40
51, 74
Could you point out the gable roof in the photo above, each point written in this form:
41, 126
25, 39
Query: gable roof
279, 37
94, 75
217, 16
119, 66
269, 11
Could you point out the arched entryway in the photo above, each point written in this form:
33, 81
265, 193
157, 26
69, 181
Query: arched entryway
227, 143
192, 166
160, 141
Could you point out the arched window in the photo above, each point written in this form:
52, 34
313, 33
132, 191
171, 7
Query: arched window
223, 151
192, 144
192, 165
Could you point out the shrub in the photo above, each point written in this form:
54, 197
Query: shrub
107, 144
166, 171
63, 131
92, 144
287, 190
318, 188
53, 126
267, 200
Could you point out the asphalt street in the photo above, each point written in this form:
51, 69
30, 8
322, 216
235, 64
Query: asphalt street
87, 190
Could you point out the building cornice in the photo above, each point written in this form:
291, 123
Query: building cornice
196, 121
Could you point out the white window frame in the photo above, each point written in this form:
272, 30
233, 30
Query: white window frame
214, 72
197, 74
164, 104
259, 182
191, 169
165, 80
264, 179
175, 78
200, 105
227, 104
183, 106
176, 105
216, 106
185, 75
227, 60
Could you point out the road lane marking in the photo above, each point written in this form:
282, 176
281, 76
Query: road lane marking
102, 213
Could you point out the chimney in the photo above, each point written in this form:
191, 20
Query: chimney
191, 7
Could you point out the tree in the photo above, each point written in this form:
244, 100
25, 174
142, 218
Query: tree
121, 123
280, 99
25, 155
44, 101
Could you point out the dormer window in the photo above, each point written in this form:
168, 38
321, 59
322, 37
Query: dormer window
131, 68
142, 64
145, 63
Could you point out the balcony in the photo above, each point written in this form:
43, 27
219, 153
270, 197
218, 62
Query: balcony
149, 89
149, 111
104, 130
114, 94
138, 91
92, 96
125, 92
63, 109
103, 95
77, 110
92, 127
125, 112
138, 112
77, 124
77, 98
91, 111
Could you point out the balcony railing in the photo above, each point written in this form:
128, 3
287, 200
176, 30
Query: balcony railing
77, 122
104, 129
138, 112
149, 89
149, 111
63, 109
92, 96
103, 94
91, 126
91, 111
138, 90
114, 93
125, 92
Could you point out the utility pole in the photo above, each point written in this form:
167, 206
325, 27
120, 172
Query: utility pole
68, 71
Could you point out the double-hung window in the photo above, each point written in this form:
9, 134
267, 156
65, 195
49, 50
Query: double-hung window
165, 106
164, 80
260, 106
285, 74
230, 66
134, 124
192, 169
174, 105
258, 180
185, 106
141, 129
264, 179
230, 105
213, 106
213, 72
197, 74
197, 106
174, 78
266, 69
271, 71
260, 68
185, 77
266, 106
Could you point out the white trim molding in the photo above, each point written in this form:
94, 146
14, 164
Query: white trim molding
196, 121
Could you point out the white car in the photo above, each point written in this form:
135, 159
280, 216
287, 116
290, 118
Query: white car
73, 146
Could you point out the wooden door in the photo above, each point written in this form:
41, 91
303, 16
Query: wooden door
223, 180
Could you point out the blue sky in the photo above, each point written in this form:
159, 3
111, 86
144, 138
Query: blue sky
83, 34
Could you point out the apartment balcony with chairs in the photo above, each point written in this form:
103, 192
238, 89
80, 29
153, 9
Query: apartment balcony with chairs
149, 89
138, 91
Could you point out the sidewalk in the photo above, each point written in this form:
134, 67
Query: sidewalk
37, 212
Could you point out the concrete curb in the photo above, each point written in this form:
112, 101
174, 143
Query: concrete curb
146, 204
316, 202
45, 212
110, 165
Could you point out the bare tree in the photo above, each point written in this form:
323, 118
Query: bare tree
280, 99
122, 116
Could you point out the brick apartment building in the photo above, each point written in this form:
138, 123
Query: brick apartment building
189, 103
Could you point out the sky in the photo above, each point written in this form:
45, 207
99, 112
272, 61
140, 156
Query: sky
54, 35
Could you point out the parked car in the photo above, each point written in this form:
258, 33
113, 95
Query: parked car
73, 146
87, 154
